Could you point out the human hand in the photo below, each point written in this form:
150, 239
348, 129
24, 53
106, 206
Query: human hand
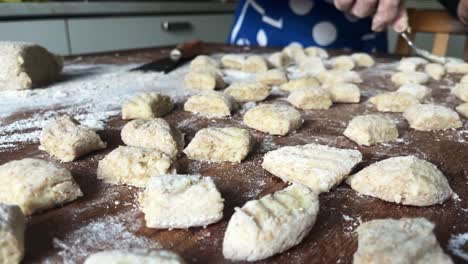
462, 11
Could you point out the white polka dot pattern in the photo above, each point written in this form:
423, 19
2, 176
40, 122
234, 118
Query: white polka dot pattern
301, 7
324, 33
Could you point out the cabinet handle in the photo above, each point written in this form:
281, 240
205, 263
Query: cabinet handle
176, 26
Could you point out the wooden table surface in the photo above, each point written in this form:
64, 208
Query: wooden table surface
108, 217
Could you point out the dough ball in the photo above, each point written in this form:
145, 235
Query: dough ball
220, 144
316, 52
411, 64
464, 79
147, 106
363, 60
255, 64
36, 185
133, 166
12, 226
274, 119
210, 104
270, 225
457, 67
407, 77
343, 92
202, 61
300, 83
393, 101
181, 201
417, 90
153, 134
233, 61
205, 79
310, 98
134, 256
436, 71
402, 241
338, 76
318, 167
463, 110
427, 117
248, 91
67, 140
272, 77
294, 52
369, 130
26, 65
343, 62
461, 91
279, 60
311, 65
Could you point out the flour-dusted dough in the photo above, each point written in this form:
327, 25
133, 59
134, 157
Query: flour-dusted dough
461, 91
406, 179
457, 67
368, 130
279, 60
220, 144
464, 79
270, 225
316, 52
255, 64
343, 92
363, 59
318, 167
154, 134
274, 119
393, 101
411, 64
343, 62
436, 71
26, 65
12, 226
181, 201
310, 98
463, 110
300, 83
147, 106
204, 79
202, 61
135, 256
417, 90
248, 91
338, 76
233, 61
402, 241
401, 78
35, 185
133, 166
295, 52
272, 77
210, 104
427, 117
311, 65
67, 140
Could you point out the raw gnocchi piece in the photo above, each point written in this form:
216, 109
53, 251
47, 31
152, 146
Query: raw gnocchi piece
427, 117
363, 59
369, 130
202, 61
270, 225
461, 91
406, 179
36, 185
300, 83
310, 98
134, 256
133, 166
407, 77
318, 167
311, 65
464, 79
393, 101
343, 92
457, 67
181, 201
210, 104
411, 64
402, 241
147, 106
248, 91
12, 227
316, 52
274, 119
295, 52
255, 64
206, 79
339, 76
463, 110
233, 61
279, 60
436, 71
154, 134
417, 90
66, 139
272, 77
343, 62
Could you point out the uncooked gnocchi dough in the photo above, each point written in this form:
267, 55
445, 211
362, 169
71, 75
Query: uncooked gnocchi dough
202, 61
316, 52
181, 201
368, 130
338, 76
343, 62
427, 117
402, 241
210, 104
67, 140
204, 79
26, 65
393, 101
36, 185
255, 64
411, 64
407, 77
134, 256
270, 225
457, 67
417, 90
147, 106
295, 52
133, 166
12, 226
153, 134
464, 79
279, 60
248, 91
318, 167
220, 144
300, 83
461, 91
363, 59
233, 61
272, 77
436, 71
310, 98
343, 92
311, 65
274, 119
406, 179
463, 110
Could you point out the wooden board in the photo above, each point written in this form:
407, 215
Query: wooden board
108, 216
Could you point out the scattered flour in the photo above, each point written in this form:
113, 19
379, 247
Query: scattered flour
456, 244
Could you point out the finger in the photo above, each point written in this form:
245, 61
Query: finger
387, 12
462, 11
364, 8
401, 22
344, 5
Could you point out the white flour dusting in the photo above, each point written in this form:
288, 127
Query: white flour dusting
456, 244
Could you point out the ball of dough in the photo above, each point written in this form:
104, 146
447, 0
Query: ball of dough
181, 201
279, 60
272, 77
461, 91
255, 64
464, 79
436, 71
316, 52
311, 65
26, 65
134, 256
393, 101
457, 67
36, 185
363, 59
343, 92
12, 226
407, 180
274, 119
411, 64
310, 98
407, 77
463, 110
343, 62
368, 130
154, 134
67, 140
147, 106
233, 61
295, 52
220, 144
417, 90
338, 76
210, 104
318, 167
133, 166
427, 117
300, 83
202, 61
204, 79
402, 241
270, 225
248, 91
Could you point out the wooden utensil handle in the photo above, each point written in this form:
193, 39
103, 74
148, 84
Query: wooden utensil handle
190, 48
